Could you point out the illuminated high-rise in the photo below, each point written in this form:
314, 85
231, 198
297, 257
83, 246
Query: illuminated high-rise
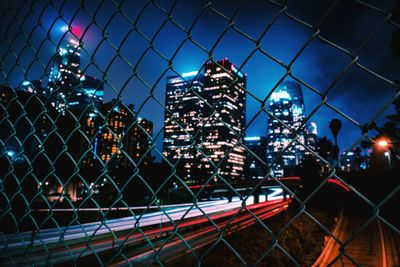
204, 123
286, 105
68, 87
88, 95
256, 157
65, 74
183, 119
125, 138
224, 120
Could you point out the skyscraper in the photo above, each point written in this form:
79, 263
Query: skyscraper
256, 157
68, 87
87, 95
286, 105
224, 120
204, 121
183, 119
65, 74
125, 137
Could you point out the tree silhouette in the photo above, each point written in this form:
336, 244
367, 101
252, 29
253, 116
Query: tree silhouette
335, 126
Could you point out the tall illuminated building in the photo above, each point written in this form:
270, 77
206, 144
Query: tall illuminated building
68, 87
204, 123
65, 74
311, 137
140, 141
89, 92
298, 111
224, 120
183, 119
286, 105
125, 138
256, 157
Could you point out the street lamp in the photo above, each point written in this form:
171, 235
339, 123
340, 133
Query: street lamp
387, 155
383, 143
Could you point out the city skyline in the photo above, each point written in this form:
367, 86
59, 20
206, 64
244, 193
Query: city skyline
67, 88
318, 65
200, 133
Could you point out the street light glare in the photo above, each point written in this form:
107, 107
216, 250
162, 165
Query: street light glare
383, 143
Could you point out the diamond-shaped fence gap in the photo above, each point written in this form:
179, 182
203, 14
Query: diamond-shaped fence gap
8, 220
368, 58
260, 122
117, 29
7, 9
382, 92
386, 210
268, 74
348, 38
345, 140
314, 13
146, 63
248, 18
101, 58
211, 256
284, 47
184, 13
169, 49
202, 35
135, 86
226, 11
29, 24
234, 47
358, 232
150, 19
15, 27
132, 47
182, 64
16, 72
42, 44
298, 239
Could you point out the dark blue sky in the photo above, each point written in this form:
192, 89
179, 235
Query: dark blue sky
357, 93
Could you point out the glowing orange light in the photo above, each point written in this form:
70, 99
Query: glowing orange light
383, 143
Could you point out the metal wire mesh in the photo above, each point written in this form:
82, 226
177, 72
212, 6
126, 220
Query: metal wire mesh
63, 149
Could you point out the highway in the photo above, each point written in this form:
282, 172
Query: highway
376, 245
57, 245
176, 247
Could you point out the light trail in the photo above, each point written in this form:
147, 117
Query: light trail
204, 236
52, 235
156, 224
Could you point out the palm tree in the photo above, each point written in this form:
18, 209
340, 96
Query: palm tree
335, 126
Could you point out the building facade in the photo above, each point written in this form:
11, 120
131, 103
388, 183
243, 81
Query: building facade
256, 157
183, 119
286, 123
204, 123
65, 74
125, 138
225, 119
68, 87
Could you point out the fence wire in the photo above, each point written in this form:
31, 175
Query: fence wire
76, 157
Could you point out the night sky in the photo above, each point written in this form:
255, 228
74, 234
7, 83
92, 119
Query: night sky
117, 49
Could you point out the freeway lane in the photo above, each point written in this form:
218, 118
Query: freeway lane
176, 247
52, 235
102, 238
376, 245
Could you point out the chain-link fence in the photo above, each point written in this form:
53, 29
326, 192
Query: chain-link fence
114, 152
